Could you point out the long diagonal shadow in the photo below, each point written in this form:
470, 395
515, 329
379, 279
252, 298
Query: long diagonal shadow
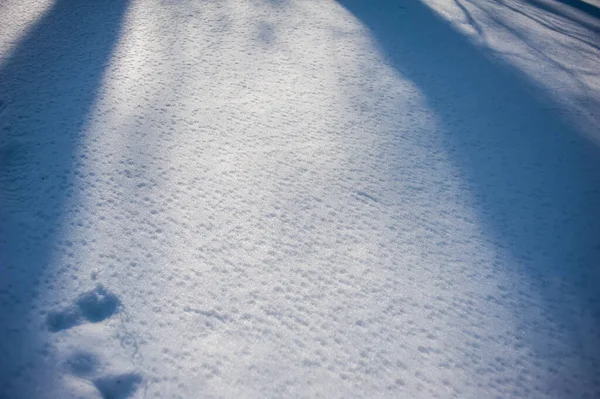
535, 179
581, 5
49, 83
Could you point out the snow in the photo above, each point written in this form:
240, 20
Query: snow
302, 198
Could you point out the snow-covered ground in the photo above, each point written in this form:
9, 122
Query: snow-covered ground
303, 198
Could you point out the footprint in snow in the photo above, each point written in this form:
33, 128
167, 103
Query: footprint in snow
86, 365
118, 386
92, 306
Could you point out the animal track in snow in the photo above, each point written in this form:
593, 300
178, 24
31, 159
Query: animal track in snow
110, 378
88, 366
83, 363
92, 306
118, 386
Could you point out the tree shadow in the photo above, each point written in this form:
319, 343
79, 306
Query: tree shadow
580, 5
552, 10
551, 18
540, 17
50, 81
533, 177
545, 16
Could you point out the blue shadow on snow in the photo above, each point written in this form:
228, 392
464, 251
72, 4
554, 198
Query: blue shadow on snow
49, 84
536, 179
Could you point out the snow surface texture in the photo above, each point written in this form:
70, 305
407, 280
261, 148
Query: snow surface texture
254, 198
